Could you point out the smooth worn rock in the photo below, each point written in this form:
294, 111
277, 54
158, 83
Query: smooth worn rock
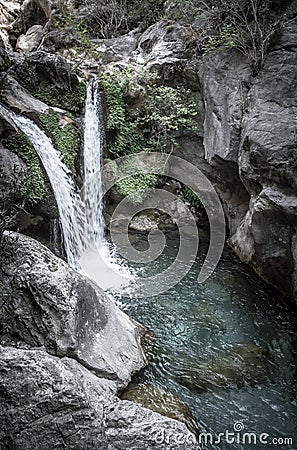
65, 312
236, 367
30, 41
18, 98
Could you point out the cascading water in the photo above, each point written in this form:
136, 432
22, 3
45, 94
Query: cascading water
93, 146
70, 206
81, 217
98, 261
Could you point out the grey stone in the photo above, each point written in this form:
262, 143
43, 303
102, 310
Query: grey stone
30, 41
59, 309
12, 176
46, 400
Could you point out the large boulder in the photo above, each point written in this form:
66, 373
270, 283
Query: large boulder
30, 41
48, 401
53, 306
18, 98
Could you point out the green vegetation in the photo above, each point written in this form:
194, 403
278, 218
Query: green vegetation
65, 138
224, 40
34, 188
189, 196
71, 100
143, 116
248, 25
136, 187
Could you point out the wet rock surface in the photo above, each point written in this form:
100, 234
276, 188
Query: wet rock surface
12, 177
55, 307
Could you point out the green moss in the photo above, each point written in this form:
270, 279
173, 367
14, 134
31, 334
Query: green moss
65, 139
34, 187
136, 187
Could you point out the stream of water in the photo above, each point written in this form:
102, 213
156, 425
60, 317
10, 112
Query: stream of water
195, 322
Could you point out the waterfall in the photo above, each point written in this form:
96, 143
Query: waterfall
6, 42
70, 206
93, 147
81, 218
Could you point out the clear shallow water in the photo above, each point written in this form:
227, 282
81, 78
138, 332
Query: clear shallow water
194, 322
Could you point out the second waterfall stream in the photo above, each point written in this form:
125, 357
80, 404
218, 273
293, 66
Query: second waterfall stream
81, 215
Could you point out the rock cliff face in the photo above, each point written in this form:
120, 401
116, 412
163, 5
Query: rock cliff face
250, 126
247, 144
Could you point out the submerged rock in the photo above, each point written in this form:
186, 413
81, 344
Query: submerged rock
164, 403
234, 368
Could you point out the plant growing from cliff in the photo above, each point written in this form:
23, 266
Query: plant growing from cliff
143, 116
34, 188
224, 40
65, 137
248, 25
115, 17
189, 196
71, 99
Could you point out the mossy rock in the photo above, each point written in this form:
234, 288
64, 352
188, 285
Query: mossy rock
64, 134
244, 365
161, 402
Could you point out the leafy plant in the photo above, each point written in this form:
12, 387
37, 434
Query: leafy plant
189, 196
143, 116
225, 39
135, 187
71, 100
65, 138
